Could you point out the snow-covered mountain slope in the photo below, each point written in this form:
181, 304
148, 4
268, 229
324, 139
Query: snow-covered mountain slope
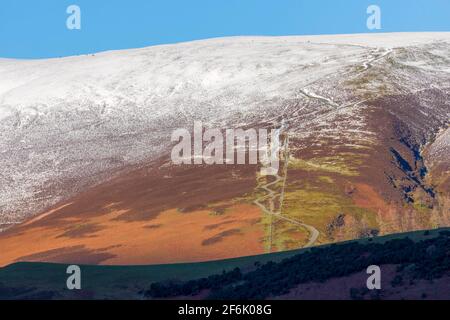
71, 122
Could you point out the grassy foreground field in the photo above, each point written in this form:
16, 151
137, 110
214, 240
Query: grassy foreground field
48, 281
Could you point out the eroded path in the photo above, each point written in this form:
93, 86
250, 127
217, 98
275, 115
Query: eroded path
272, 195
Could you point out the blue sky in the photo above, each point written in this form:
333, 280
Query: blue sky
37, 28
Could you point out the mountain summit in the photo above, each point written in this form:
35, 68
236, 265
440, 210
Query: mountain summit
85, 144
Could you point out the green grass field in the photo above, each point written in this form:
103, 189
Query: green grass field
113, 282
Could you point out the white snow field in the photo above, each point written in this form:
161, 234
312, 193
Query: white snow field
67, 123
